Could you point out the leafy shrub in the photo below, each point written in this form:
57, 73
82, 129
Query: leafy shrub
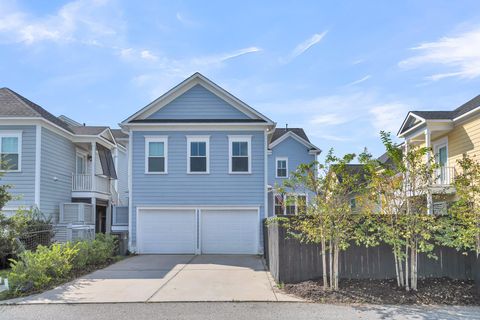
51, 265
40, 268
26, 229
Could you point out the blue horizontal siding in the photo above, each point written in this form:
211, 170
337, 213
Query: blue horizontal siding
57, 166
296, 152
198, 103
23, 183
179, 188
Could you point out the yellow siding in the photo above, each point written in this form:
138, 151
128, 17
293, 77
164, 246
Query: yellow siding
464, 138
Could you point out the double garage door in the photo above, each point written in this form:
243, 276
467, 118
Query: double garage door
195, 231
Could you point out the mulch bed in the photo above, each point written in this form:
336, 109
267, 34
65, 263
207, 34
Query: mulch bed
430, 291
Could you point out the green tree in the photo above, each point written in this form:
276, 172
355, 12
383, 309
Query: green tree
327, 218
397, 208
460, 228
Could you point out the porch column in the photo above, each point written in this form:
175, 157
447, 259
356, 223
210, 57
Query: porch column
428, 145
94, 167
108, 220
94, 205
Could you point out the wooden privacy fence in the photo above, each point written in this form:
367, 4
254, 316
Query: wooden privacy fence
291, 261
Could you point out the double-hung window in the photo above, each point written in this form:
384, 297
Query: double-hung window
10, 151
198, 153
290, 204
156, 155
282, 167
240, 154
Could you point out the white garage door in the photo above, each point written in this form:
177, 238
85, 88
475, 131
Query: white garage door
167, 231
229, 231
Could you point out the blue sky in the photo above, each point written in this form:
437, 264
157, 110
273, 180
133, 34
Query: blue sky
343, 70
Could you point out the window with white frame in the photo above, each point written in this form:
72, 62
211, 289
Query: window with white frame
240, 154
156, 155
81, 163
282, 167
198, 153
290, 204
10, 150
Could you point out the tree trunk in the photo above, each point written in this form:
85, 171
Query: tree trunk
330, 255
407, 287
336, 265
400, 269
395, 257
324, 264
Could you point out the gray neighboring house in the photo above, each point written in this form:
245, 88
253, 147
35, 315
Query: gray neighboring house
73, 173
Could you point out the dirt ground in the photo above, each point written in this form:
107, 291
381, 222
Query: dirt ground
440, 291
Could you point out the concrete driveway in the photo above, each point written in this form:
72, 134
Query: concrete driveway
162, 278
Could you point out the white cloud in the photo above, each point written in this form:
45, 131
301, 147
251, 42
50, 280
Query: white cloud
304, 46
85, 21
147, 55
459, 55
328, 119
388, 117
184, 20
359, 80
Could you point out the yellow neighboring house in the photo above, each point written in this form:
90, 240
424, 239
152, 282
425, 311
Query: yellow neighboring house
450, 134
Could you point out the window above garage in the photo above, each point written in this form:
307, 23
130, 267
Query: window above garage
156, 155
198, 154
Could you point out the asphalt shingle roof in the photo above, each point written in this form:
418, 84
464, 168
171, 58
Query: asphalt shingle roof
279, 132
88, 130
448, 115
13, 104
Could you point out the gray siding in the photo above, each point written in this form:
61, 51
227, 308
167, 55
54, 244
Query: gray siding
58, 161
296, 153
179, 188
23, 183
198, 103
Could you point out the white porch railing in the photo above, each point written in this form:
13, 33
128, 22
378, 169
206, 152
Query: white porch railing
444, 176
83, 182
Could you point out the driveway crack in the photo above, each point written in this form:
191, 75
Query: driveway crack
166, 282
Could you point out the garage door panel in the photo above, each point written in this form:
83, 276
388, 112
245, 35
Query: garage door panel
229, 231
167, 231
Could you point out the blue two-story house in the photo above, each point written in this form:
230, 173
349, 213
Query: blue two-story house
76, 175
202, 164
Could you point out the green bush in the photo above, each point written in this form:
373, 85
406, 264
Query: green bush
34, 270
41, 268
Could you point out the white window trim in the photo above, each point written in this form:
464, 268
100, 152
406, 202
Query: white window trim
235, 138
439, 144
18, 135
284, 199
205, 139
276, 167
163, 139
83, 154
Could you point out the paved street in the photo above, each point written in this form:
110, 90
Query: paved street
226, 310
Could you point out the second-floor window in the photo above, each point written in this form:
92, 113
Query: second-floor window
10, 151
282, 167
240, 154
156, 151
198, 154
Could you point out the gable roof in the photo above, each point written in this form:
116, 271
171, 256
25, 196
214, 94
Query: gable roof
190, 82
279, 132
13, 104
462, 110
298, 134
